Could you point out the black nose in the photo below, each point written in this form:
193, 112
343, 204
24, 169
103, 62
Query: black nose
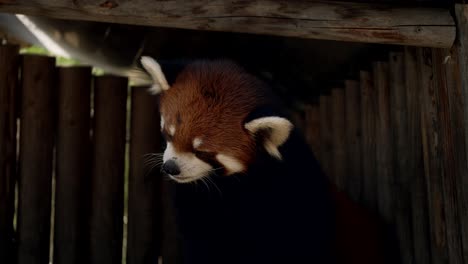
170, 167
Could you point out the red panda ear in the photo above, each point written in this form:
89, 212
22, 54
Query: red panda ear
160, 83
278, 129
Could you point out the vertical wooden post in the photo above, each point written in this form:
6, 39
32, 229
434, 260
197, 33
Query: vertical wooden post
110, 101
171, 246
9, 69
338, 137
399, 126
144, 196
454, 155
368, 120
36, 156
418, 195
384, 171
438, 147
312, 118
325, 133
461, 107
353, 139
73, 165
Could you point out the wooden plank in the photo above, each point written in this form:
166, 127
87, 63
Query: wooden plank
344, 21
368, 120
353, 139
312, 120
459, 106
454, 156
383, 139
171, 246
325, 134
418, 195
338, 137
72, 165
399, 126
37, 136
438, 161
9, 69
144, 196
110, 99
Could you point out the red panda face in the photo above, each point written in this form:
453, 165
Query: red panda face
203, 119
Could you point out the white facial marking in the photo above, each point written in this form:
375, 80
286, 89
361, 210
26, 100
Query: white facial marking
154, 69
280, 129
231, 164
197, 142
171, 130
162, 122
191, 167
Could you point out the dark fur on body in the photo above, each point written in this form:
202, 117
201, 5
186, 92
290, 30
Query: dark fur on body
276, 212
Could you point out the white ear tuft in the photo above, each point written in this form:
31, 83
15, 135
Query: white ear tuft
279, 129
154, 69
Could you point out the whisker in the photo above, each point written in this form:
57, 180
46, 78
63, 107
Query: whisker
214, 184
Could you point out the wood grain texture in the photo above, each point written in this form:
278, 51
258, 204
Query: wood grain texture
454, 155
384, 146
418, 191
358, 22
459, 103
312, 123
37, 136
338, 137
144, 196
9, 70
401, 143
353, 139
438, 150
325, 134
72, 165
110, 105
368, 124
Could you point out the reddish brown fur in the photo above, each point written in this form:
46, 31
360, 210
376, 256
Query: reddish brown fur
217, 95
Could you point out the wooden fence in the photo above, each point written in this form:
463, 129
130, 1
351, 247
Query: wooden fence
393, 139
396, 144
72, 143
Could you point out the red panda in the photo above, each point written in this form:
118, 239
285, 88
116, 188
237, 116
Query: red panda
270, 201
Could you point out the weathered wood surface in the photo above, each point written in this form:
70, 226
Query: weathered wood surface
312, 127
144, 196
338, 137
438, 152
325, 156
418, 191
353, 131
37, 137
450, 114
459, 103
110, 101
358, 22
368, 123
72, 173
9, 69
401, 143
383, 139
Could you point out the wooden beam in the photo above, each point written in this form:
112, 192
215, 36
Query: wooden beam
144, 184
357, 22
37, 136
461, 12
9, 69
72, 171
